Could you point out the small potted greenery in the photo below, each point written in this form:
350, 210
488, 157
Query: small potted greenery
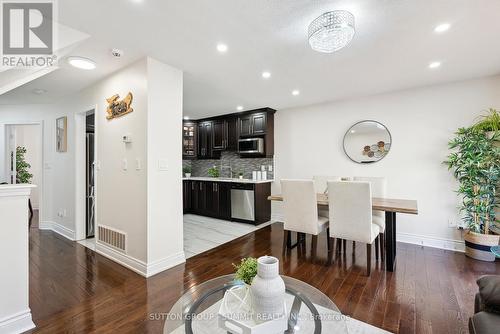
22, 167
475, 162
213, 171
246, 270
187, 171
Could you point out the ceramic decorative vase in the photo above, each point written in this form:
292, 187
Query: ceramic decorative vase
268, 290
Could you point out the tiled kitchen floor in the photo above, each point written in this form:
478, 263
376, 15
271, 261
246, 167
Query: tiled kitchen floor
204, 233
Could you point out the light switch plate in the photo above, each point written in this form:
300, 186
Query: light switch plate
138, 164
124, 164
162, 164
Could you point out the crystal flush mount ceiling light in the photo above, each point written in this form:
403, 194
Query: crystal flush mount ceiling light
331, 31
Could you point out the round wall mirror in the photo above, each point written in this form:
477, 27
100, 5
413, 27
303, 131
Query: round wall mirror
367, 142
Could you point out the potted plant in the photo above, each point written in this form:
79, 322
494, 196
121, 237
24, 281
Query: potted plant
22, 167
213, 171
476, 165
246, 270
187, 171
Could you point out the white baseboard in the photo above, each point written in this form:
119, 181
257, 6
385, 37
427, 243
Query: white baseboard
138, 266
58, 228
422, 240
165, 263
441, 243
277, 217
17, 323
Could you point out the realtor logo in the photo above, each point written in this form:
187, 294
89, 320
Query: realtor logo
27, 30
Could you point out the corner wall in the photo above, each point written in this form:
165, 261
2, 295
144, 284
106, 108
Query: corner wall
309, 142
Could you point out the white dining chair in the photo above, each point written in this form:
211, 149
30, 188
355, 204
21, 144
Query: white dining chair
350, 204
321, 187
301, 212
321, 182
379, 189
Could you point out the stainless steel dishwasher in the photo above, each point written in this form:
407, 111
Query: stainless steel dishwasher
243, 201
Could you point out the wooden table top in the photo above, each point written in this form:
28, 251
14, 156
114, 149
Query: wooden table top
380, 204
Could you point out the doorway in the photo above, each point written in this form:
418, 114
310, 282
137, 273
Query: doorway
21, 161
90, 175
85, 168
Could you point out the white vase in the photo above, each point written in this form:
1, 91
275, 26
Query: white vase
268, 290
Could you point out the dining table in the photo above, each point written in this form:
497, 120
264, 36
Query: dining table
391, 207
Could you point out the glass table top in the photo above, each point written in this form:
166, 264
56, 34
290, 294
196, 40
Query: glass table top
496, 250
308, 309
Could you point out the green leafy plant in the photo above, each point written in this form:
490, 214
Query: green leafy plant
476, 165
22, 167
246, 270
213, 171
186, 169
489, 122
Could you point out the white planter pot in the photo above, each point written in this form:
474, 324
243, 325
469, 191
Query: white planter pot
187, 174
268, 290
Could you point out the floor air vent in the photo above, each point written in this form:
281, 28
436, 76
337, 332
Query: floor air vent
112, 238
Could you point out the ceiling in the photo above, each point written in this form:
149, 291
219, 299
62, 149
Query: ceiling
394, 43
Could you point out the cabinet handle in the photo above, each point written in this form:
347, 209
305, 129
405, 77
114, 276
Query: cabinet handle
216, 187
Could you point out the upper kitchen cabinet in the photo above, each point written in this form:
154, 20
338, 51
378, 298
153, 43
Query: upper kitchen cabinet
253, 124
206, 140
189, 140
224, 134
258, 123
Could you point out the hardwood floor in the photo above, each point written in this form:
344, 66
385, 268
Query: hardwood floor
74, 290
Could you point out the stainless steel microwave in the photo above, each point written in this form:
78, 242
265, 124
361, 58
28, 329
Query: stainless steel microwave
251, 146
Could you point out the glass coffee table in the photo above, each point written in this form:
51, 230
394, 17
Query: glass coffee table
496, 250
309, 310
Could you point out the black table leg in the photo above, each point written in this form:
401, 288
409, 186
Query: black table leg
390, 240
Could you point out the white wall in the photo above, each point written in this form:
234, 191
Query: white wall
165, 234
122, 195
309, 141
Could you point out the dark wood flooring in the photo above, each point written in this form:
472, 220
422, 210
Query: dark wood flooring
74, 290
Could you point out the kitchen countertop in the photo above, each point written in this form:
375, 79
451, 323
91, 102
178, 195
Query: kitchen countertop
222, 179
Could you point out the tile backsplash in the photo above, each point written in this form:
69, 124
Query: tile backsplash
230, 158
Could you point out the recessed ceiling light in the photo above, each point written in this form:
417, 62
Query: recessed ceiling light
39, 91
295, 92
435, 64
186, 117
266, 74
442, 27
222, 48
82, 63
239, 108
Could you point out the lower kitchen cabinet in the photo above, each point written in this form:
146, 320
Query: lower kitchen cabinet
213, 199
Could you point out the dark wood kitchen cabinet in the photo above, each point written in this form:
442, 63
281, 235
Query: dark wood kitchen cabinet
189, 140
206, 141
207, 198
213, 199
252, 124
225, 134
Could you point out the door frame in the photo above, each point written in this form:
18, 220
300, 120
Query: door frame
80, 171
41, 159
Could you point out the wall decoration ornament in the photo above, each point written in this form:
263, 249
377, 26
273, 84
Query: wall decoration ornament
117, 108
367, 142
62, 134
